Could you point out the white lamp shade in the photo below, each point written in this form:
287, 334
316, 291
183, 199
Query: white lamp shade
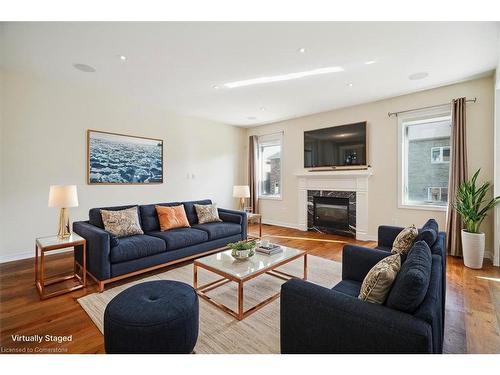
241, 191
63, 196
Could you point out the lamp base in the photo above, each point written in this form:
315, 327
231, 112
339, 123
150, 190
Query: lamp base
64, 230
241, 206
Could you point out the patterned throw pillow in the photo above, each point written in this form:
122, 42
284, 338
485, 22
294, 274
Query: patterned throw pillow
404, 241
172, 217
122, 223
207, 213
377, 283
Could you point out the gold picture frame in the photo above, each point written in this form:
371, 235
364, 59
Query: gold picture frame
101, 172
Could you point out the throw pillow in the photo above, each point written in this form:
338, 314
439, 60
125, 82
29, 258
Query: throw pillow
412, 282
122, 223
207, 213
378, 281
428, 233
172, 217
404, 240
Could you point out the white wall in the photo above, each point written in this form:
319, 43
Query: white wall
43, 142
383, 152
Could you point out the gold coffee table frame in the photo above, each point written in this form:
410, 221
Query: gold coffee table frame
226, 278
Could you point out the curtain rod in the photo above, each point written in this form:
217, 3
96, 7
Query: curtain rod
428, 107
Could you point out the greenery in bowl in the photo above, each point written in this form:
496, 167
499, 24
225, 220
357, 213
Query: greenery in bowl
471, 203
242, 249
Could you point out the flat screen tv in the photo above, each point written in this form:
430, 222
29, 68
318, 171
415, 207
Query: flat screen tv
337, 146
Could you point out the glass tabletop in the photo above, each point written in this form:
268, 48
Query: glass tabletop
54, 240
241, 269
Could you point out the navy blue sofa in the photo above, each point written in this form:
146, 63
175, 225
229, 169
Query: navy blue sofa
315, 319
111, 259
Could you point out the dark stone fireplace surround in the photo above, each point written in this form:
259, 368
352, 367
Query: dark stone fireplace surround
350, 195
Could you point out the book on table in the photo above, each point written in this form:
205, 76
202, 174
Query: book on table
269, 250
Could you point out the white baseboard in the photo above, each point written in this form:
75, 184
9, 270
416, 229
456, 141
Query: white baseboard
366, 237
28, 255
359, 236
18, 256
281, 224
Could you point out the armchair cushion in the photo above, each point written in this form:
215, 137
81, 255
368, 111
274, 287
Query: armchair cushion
357, 261
412, 282
348, 287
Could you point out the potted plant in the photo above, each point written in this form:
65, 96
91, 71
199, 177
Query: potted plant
242, 250
471, 205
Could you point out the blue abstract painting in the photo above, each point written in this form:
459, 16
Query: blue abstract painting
123, 159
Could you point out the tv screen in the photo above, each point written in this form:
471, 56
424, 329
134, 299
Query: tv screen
338, 146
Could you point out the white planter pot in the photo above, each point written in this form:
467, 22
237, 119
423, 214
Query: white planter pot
473, 249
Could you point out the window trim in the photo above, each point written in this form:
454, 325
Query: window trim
264, 139
415, 117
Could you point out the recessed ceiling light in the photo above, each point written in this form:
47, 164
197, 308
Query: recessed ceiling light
370, 62
251, 118
419, 75
84, 68
302, 50
122, 57
283, 77
262, 108
350, 84
215, 87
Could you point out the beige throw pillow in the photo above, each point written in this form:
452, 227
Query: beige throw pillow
207, 213
378, 281
404, 241
122, 223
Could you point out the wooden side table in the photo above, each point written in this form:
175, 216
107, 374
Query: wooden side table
251, 217
50, 243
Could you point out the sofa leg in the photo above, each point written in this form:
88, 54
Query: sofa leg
101, 287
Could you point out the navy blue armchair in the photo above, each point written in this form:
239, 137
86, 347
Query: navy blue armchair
315, 319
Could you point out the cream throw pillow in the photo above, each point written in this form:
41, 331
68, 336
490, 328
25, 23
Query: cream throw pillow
207, 213
378, 281
122, 223
404, 241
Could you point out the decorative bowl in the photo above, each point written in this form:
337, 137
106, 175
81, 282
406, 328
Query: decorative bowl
243, 250
242, 254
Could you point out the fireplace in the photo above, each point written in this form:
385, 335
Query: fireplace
331, 212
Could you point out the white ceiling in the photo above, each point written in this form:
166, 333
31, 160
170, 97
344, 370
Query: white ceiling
176, 65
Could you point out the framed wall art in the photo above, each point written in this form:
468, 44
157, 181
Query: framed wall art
114, 158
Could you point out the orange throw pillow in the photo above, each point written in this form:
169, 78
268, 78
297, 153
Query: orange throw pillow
172, 217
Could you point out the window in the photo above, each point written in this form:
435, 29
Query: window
440, 155
269, 165
424, 158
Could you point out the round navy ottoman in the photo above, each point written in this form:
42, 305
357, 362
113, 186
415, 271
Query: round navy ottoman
152, 317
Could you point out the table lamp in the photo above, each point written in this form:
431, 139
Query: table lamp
242, 192
63, 197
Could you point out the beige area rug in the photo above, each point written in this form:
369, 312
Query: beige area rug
219, 332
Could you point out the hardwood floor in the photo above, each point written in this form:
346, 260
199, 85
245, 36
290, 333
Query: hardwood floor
472, 306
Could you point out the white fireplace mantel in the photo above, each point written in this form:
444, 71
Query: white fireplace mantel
340, 180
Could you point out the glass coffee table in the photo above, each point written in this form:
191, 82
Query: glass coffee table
241, 271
